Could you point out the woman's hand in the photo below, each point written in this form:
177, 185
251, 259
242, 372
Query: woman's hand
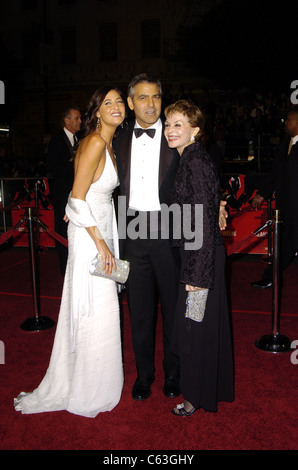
223, 215
189, 288
108, 259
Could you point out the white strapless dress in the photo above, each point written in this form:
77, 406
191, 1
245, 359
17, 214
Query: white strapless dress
85, 373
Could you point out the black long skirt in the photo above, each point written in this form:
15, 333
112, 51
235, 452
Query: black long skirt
205, 348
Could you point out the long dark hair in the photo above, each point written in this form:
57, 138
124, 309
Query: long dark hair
90, 118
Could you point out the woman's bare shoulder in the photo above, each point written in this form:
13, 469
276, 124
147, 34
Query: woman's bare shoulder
93, 139
93, 144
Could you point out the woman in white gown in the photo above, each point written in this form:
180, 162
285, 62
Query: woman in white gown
85, 374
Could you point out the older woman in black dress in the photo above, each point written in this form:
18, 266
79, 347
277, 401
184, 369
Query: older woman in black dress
203, 345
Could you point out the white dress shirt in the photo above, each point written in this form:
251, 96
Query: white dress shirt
70, 136
144, 171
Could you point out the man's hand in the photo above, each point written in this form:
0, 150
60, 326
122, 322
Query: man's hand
257, 201
223, 215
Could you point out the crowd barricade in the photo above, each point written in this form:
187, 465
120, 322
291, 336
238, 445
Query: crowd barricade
239, 227
243, 221
238, 236
19, 194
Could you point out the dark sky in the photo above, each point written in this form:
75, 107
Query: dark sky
246, 43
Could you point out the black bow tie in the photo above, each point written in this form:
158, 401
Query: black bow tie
139, 131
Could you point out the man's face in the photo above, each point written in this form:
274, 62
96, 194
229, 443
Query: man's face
73, 121
291, 125
146, 104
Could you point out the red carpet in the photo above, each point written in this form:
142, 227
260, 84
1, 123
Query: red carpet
262, 417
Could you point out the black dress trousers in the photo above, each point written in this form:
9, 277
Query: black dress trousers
152, 264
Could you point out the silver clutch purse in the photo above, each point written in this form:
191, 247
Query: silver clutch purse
120, 275
196, 304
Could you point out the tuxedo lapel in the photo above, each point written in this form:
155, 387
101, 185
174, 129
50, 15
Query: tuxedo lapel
165, 161
125, 159
294, 150
68, 144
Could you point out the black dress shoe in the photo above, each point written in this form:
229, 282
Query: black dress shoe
141, 390
171, 388
262, 284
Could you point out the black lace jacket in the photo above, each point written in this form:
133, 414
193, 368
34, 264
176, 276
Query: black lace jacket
197, 183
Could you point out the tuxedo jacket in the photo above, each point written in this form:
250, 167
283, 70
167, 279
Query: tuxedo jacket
168, 164
61, 166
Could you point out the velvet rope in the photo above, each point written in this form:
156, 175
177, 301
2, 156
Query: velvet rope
6, 235
236, 247
13, 204
57, 236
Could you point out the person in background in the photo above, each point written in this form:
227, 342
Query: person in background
283, 181
203, 344
61, 153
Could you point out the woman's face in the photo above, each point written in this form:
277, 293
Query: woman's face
112, 109
178, 131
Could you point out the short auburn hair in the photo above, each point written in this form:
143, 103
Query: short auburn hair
191, 111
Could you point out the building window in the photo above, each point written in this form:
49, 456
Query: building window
151, 39
68, 46
108, 41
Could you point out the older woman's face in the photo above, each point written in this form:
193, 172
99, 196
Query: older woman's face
178, 131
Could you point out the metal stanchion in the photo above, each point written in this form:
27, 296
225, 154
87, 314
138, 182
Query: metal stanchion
37, 322
3, 205
37, 234
275, 342
268, 259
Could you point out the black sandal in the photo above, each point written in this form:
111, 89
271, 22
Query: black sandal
182, 411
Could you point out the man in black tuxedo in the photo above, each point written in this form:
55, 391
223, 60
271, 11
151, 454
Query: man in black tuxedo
147, 167
283, 181
61, 168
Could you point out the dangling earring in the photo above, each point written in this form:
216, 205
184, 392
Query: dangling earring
98, 124
192, 139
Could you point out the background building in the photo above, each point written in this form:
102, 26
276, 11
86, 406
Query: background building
58, 52
233, 58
